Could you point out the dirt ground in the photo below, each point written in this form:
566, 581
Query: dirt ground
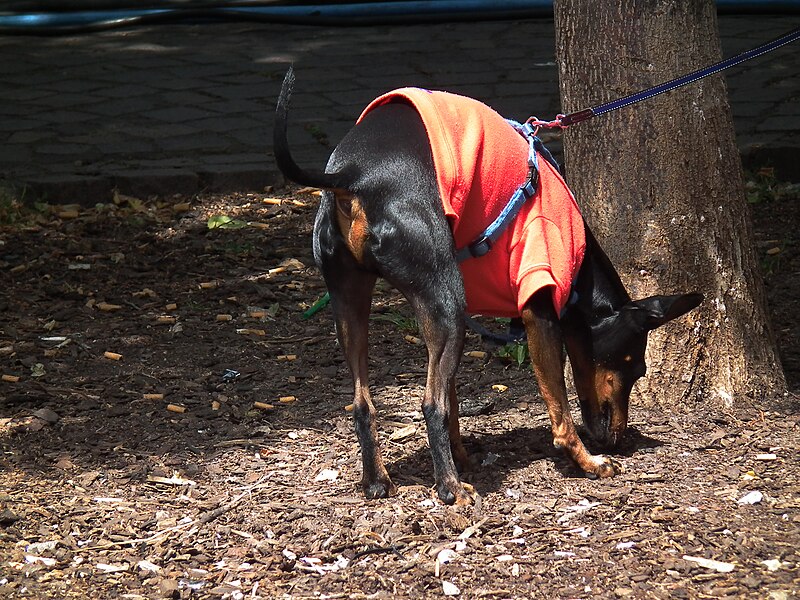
171, 427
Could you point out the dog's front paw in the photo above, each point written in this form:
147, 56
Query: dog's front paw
380, 488
602, 467
462, 494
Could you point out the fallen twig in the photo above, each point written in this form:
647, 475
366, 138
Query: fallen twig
378, 550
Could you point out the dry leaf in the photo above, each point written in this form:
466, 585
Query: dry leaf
105, 306
111, 568
753, 497
450, 589
327, 475
48, 562
146, 565
772, 564
174, 480
707, 563
64, 463
47, 415
68, 213
445, 556
403, 433
470, 531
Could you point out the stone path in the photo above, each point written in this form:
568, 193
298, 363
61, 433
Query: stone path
190, 107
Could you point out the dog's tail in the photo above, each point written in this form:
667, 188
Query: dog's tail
283, 157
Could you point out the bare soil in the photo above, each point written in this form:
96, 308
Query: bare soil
177, 430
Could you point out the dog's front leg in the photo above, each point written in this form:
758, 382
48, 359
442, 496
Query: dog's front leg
545, 346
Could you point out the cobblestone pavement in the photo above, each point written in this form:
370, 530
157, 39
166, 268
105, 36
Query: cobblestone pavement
189, 107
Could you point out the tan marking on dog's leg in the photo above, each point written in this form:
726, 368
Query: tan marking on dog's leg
352, 324
548, 366
460, 456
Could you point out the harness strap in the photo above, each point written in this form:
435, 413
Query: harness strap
484, 242
501, 339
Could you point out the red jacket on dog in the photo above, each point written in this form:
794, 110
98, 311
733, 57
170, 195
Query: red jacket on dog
480, 161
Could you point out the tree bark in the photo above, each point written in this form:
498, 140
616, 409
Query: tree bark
660, 183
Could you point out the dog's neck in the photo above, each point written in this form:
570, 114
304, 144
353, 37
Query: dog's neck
597, 291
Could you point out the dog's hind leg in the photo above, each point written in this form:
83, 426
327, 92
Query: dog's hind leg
350, 287
460, 456
436, 294
351, 296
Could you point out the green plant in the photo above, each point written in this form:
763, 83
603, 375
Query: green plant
317, 133
11, 207
225, 222
239, 248
771, 262
515, 352
14, 210
402, 322
763, 186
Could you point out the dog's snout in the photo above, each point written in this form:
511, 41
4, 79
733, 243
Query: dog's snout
606, 416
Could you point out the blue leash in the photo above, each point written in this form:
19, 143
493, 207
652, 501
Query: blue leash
587, 113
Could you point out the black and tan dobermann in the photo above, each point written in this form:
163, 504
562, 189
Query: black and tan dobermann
381, 216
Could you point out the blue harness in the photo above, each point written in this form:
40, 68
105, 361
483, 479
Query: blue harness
484, 242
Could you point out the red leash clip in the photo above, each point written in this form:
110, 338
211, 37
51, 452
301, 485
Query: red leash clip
538, 123
562, 121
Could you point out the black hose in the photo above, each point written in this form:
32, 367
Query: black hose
36, 17
302, 14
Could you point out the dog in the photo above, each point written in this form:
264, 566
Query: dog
390, 210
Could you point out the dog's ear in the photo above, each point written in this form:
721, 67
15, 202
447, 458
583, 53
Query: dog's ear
654, 311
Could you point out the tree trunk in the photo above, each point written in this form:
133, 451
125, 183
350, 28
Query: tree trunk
660, 183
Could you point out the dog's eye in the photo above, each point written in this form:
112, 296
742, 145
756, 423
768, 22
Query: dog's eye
610, 383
